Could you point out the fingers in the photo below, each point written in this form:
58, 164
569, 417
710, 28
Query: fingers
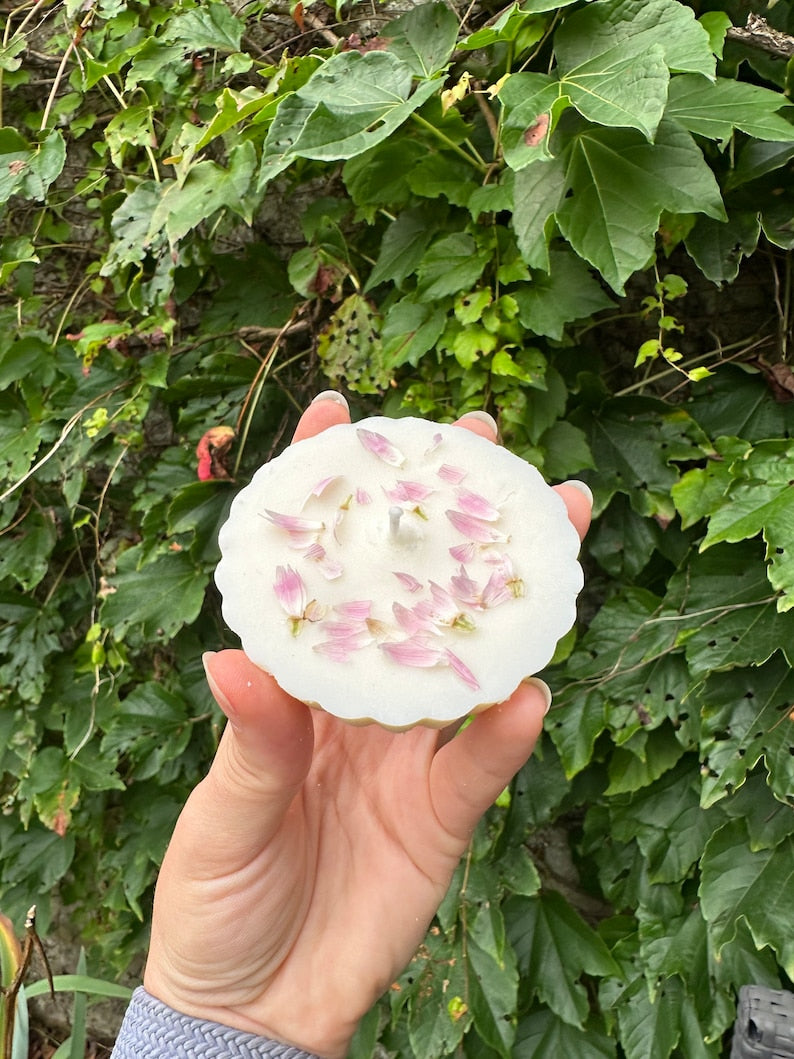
262, 760
326, 410
469, 772
479, 423
579, 501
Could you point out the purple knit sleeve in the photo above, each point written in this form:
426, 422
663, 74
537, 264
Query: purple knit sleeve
152, 1030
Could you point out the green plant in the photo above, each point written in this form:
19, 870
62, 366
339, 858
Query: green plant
209, 211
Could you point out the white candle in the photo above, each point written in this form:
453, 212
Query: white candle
399, 571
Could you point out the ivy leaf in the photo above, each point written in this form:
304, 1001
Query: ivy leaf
715, 109
600, 27
525, 97
737, 884
211, 27
150, 727
402, 247
568, 292
644, 473
718, 247
493, 991
424, 38
29, 169
158, 597
643, 758
453, 263
350, 104
541, 1034
668, 823
554, 947
619, 185
746, 715
410, 329
434, 986
756, 159
761, 500
735, 402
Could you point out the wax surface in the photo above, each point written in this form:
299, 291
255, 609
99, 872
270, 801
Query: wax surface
399, 571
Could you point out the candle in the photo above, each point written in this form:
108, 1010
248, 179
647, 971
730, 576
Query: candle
399, 571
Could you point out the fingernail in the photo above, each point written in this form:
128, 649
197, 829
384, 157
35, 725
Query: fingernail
583, 488
483, 417
543, 688
331, 395
218, 695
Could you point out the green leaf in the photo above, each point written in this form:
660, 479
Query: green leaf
642, 759
542, 1034
715, 109
736, 402
538, 192
668, 823
650, 1029
566, 452
451, 264
620, 184
757, 158
352, 103
410, 329
567, 293
618, 87
554, 947
424, 38
513, 21
402, 247
433, 981
637, 28
79, 983
350, 347
645, 473
493, 992
158, 597
526, 97
29, 169
718, 247
746, 717
211, 27
761, 501
738, 884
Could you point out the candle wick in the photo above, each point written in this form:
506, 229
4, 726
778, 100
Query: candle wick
395, 514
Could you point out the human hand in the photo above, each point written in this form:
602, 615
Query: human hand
305, 869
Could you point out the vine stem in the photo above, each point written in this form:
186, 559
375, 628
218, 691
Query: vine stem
480, 165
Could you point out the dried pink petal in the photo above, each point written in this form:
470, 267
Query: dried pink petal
474, 504
464, 553
454, 475
363, 497
437, 439
290, 591
408, 492
315, 611
356, 610
408, 581
465, 589
462, 670
475, 529
497, 590
413, 652
335, 650
294, 524
321, 486
381, 447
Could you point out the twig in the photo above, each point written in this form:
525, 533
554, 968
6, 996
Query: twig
757, 33
31, 944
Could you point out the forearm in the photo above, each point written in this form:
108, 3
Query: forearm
152, 1030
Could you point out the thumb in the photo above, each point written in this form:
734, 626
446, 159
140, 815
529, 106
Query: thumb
262, 760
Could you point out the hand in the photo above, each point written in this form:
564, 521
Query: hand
307, 866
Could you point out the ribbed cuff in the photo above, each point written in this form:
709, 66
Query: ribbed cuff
153, 1030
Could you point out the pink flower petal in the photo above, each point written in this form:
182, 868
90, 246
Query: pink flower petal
315, 611
356, 609
437, 439
465, 589
290, 591
475, 529
473, 504
295, 524
464, 553
408, 581
363, 497
462, 670
321, 486
381, 447
454, 475
408, 492
335, 650
413, 652
497, 591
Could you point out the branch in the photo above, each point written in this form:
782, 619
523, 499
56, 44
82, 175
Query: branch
757, 33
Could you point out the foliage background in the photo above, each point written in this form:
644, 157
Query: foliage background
211, 211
